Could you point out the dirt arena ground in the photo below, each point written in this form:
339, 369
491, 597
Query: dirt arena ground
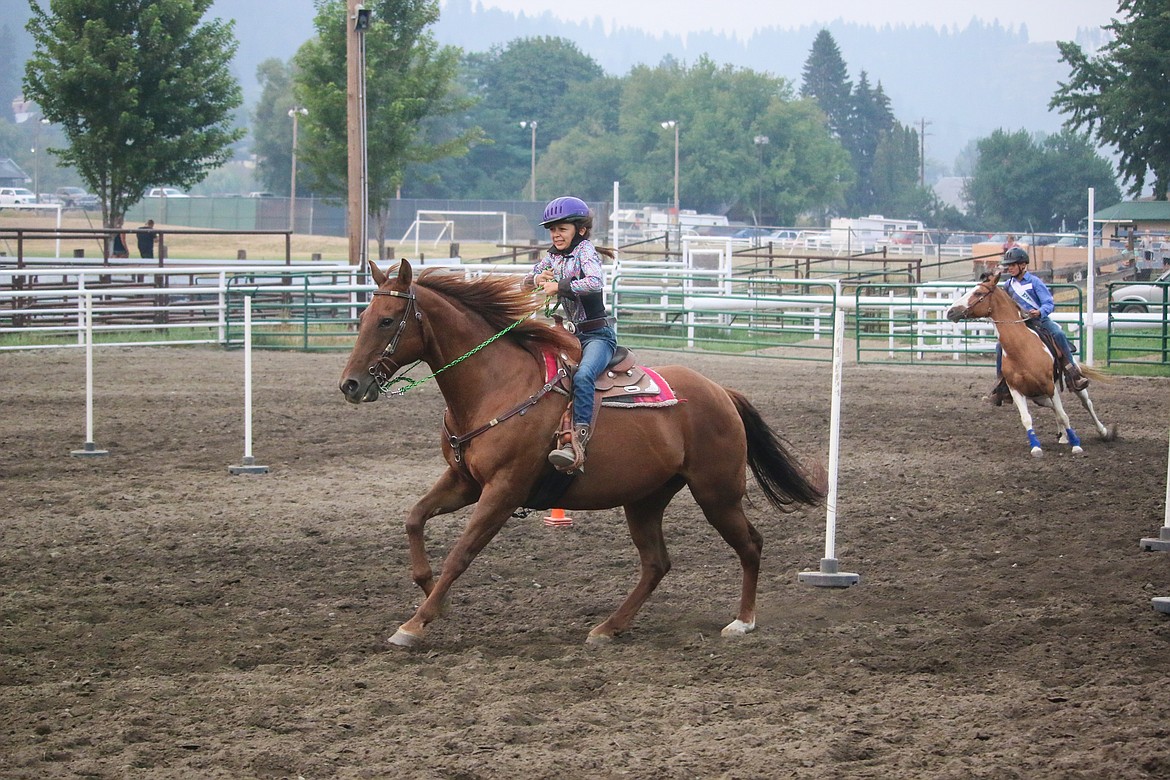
160, 618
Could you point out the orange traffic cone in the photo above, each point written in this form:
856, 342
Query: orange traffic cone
557, 518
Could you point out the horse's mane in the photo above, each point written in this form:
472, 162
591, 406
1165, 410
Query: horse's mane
500, 301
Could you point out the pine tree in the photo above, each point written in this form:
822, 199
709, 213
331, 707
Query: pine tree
1120, 95
826, 80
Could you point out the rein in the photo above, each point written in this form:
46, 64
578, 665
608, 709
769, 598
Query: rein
994, 321
386, 381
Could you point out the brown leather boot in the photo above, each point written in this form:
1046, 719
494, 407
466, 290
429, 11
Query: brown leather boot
570, 456
1074, 378
999, 393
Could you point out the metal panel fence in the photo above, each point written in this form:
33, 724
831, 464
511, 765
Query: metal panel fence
659, 305
900, 324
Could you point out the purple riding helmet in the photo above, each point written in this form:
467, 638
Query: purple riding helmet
565, 209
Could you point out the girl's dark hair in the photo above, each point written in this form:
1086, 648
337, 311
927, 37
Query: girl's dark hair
586, 224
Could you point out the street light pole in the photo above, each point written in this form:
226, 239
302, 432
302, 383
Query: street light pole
760, 141
295, 112
667, 125
36, 150
532, 123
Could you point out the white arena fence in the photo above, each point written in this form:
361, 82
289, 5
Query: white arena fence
659, 305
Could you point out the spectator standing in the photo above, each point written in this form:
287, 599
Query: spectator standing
146, 238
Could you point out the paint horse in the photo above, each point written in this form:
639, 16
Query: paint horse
1030, 369
489, 360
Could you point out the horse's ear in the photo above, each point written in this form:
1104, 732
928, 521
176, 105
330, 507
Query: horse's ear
376, 273
405, 274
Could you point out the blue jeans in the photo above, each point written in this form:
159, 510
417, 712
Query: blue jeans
1057, 334
597, 348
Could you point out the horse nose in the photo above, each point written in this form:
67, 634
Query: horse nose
954, 314
349, 387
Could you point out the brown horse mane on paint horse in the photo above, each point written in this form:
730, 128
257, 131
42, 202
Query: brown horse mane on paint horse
1028, 365
638, 459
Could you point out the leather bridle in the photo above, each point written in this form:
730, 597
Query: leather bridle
378, 369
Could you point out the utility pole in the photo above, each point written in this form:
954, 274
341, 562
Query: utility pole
922, 123
357, 21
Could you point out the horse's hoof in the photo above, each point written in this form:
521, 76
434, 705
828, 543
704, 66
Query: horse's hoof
598, 640
404, 639
1037, 452
738, 628
1078, 451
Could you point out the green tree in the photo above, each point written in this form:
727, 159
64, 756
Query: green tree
272, 126
894, 176
1120, 94
826, 80
409, 81
722, 169
547, 80
1021, 182
142, 90
870, 121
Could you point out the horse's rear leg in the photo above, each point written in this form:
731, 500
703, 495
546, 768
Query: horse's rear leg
644, 519
732, 524
451, 492
1107, 433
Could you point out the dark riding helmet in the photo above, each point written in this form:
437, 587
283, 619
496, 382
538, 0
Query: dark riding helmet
1015, 255
565, 209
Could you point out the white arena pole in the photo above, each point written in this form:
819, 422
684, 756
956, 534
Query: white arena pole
1162, 542
829, 575
89, 449
249, 464
1162, 603
616, 242
1091, 288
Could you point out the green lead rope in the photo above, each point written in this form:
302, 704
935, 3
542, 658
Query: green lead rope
387, 388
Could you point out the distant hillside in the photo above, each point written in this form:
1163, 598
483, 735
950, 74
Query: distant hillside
964, 83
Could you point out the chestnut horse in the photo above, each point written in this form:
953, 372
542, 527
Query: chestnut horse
1029, 368
486, 352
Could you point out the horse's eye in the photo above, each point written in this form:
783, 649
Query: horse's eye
386, 322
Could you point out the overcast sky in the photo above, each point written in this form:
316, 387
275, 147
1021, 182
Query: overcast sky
1047, 20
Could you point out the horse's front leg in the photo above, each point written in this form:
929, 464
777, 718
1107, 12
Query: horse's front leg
452, 491
486, 520
1067, 434
1021, 402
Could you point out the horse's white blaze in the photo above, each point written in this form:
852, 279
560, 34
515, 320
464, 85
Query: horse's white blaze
738, 628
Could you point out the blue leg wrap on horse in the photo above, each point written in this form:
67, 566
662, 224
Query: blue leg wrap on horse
1033, 438
1072, 437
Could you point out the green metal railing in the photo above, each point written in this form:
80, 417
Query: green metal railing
771, 318
1140, 333
907, 324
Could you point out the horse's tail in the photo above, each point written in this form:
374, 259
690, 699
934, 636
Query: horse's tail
783, 480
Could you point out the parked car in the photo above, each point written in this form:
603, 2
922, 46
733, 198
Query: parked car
1135, 298
784, 236
965, 239
166, 192
261, 195
814, 239
76, 198
15, 196
751, 232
